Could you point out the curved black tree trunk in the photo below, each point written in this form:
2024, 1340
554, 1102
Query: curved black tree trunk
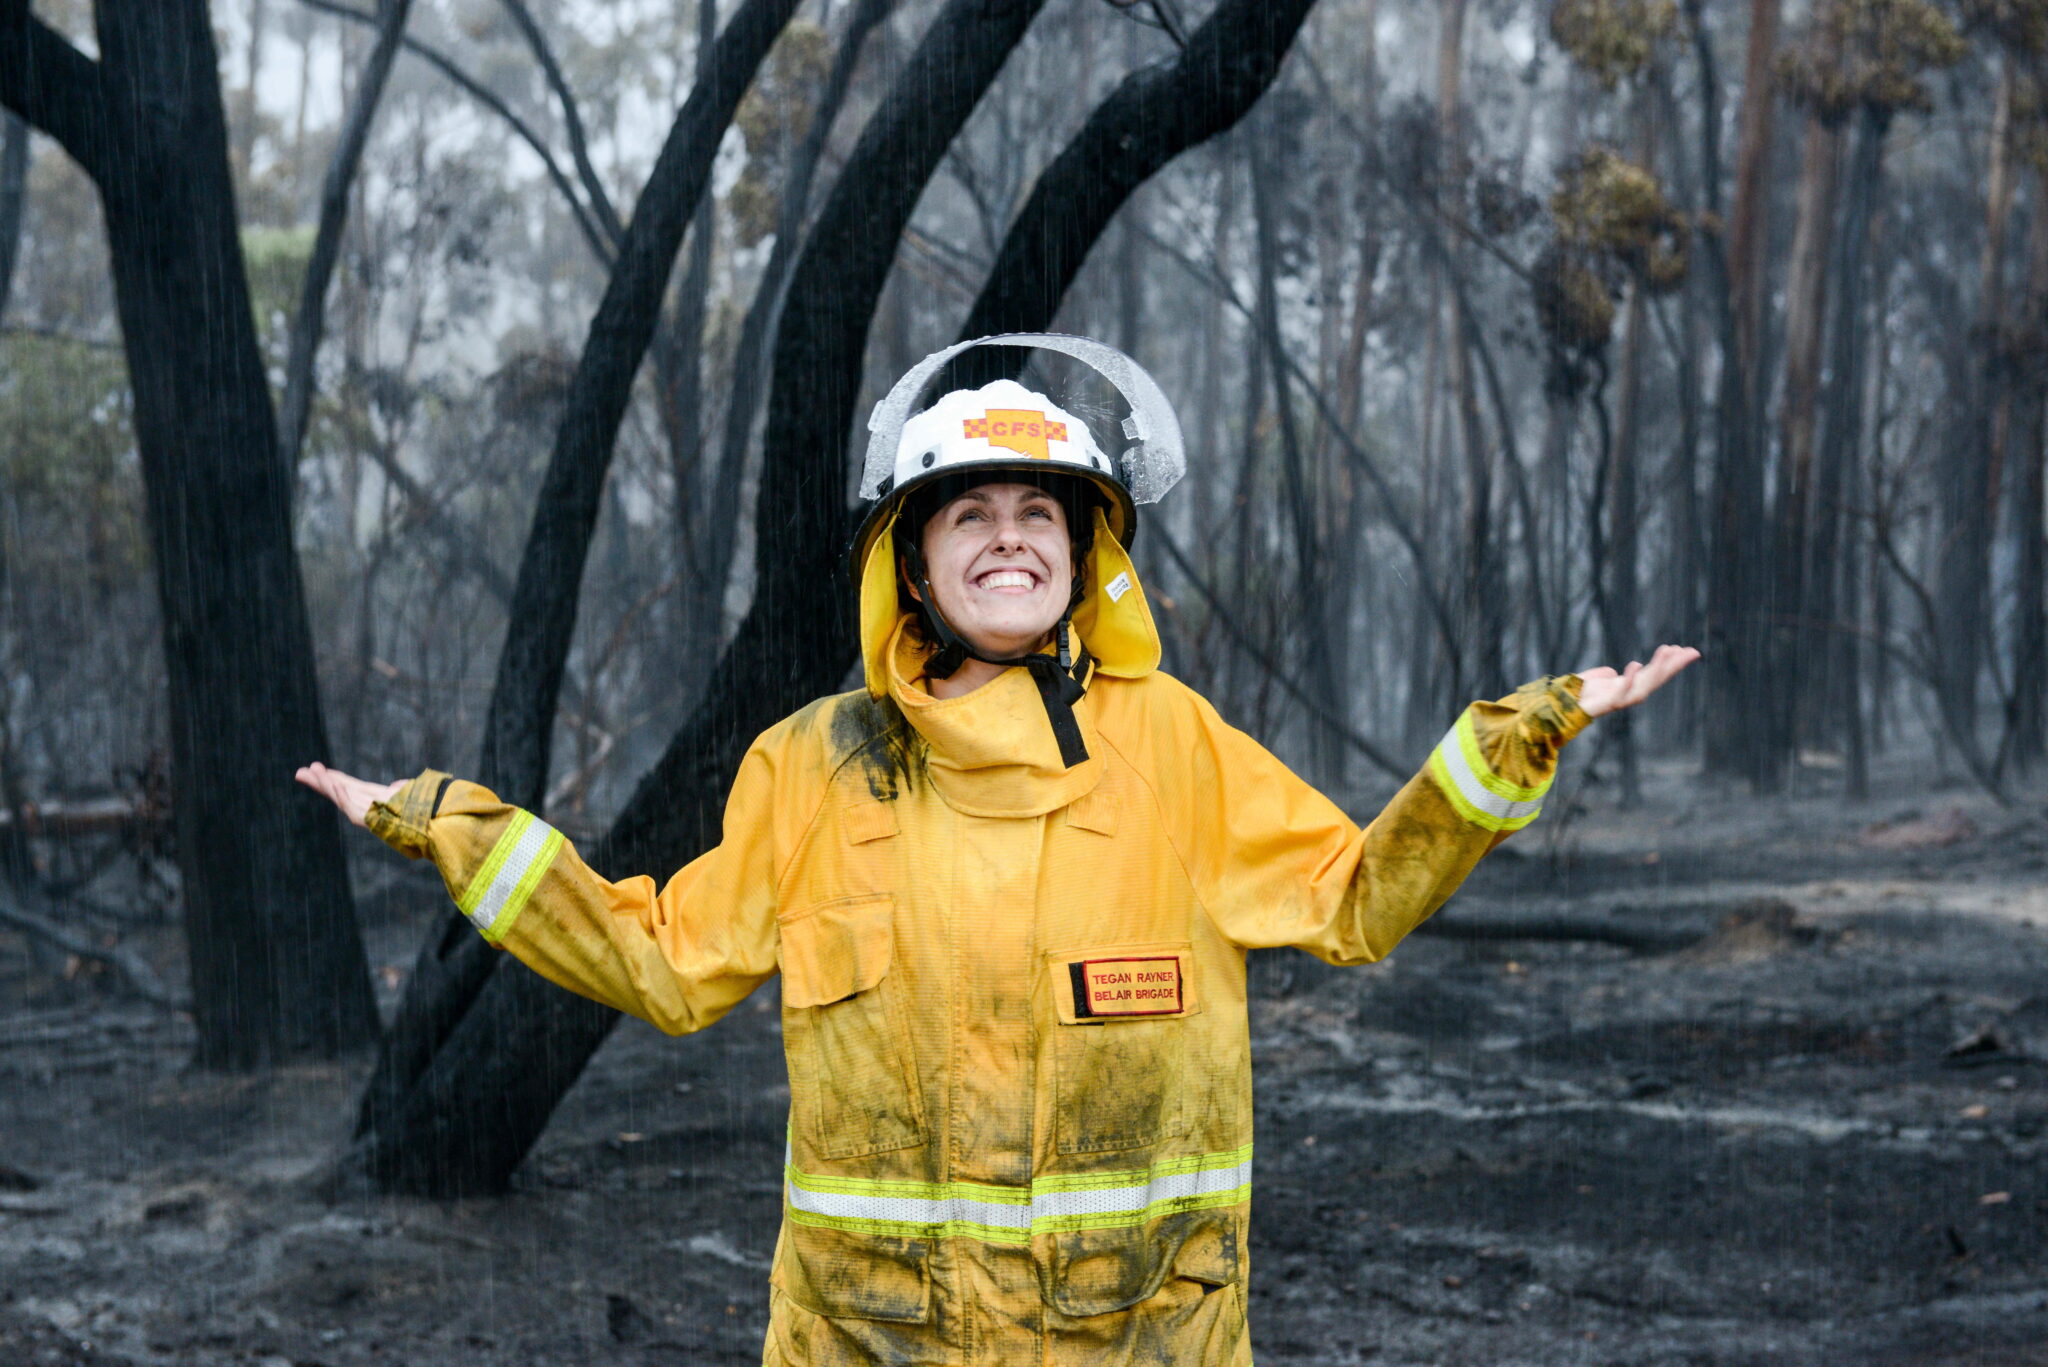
277, 967
515, 1053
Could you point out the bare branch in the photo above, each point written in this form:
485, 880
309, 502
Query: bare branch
309, 323
483, 95
572, 121
137, 974
1262, 657
52, 84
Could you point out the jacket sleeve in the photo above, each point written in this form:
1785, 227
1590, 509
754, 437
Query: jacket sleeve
1284, 866
679, 957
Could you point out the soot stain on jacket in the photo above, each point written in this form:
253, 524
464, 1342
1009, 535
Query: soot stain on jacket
873, 733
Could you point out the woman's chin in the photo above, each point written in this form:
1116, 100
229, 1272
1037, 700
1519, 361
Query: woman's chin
999, 644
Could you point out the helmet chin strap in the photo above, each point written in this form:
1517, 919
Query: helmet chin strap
1061, 678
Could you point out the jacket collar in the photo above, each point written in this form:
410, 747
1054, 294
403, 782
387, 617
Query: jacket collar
992, 750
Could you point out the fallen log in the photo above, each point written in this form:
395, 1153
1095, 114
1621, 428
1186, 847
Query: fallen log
69, 820
138, 975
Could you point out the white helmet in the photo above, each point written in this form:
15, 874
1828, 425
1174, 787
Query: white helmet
1004, 426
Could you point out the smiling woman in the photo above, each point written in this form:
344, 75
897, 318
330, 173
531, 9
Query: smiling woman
1009, 885
998, 562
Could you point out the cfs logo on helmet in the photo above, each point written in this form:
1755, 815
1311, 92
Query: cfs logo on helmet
1023, 430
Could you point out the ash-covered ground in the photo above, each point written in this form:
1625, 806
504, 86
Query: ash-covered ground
1712, 1081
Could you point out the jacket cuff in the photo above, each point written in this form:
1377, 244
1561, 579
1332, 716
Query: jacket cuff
401, 820
1497, 763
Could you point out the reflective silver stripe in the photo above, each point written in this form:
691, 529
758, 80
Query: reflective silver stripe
522, 854
1161, 1188
1486, 807
912, 1210
1014, 1214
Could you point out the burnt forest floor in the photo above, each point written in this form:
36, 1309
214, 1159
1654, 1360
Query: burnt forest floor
1705, 1081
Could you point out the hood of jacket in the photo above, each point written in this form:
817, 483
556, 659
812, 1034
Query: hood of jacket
993, 752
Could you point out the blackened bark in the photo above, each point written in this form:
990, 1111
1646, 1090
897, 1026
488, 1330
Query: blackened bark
529, 679
277, 967
719, 532
1621, 611
309, 323
1829, 602
487, 1092
1740, 688
1153, 115
2027, 707
452, 965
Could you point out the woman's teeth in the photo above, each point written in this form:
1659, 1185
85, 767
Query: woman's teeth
1006, 579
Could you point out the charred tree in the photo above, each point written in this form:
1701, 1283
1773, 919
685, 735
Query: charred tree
277, 967
529, 679
514, 1044
454, 964
474, 1103
13, 197
1739, 587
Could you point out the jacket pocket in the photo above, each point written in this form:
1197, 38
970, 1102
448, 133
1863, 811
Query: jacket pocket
853, 1276
1120, 1047
1100, 1271
852, 1072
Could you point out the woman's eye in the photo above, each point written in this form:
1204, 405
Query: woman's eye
1038, 512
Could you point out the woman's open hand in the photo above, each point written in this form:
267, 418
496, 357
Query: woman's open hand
354, 795
1605, 690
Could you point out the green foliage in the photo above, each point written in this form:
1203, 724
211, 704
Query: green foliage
276, 262
1870, 55
1574, 305
1613, 227
1612, 39
1607, 206
68, 464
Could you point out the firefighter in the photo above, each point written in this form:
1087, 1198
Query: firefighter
1009, 885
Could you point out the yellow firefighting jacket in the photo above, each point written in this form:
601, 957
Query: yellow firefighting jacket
1013, 994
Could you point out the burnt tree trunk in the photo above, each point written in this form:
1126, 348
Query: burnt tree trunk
13, 197
454, 964
277, 967
1739, 586
1830, 599
2027, 708
481, 1098
468, 1117
520, 724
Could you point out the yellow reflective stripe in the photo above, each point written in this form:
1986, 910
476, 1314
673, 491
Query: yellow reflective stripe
1171, 1205
1001, 1214
516, 902
501, 887
500, 852
1467, 733
1473, 790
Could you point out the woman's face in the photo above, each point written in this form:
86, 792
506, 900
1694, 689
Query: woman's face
1001, 566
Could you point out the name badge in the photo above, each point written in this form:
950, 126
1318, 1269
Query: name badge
1145, 986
